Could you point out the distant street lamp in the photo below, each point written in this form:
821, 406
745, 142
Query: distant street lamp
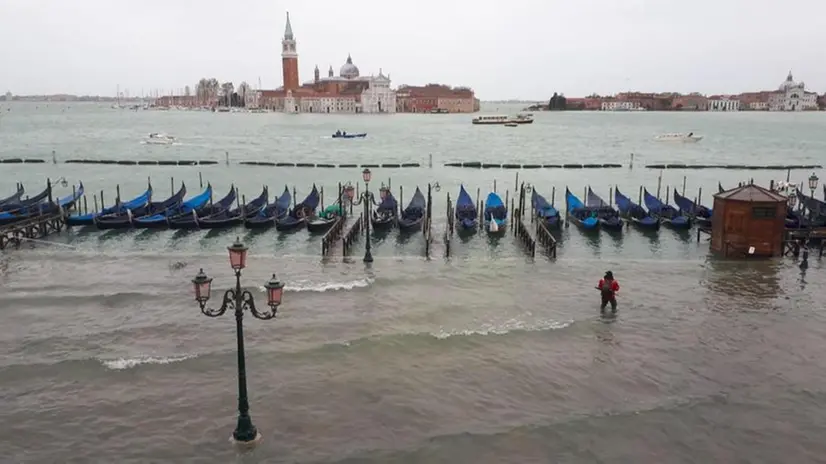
812, 186
366, 198
239, 301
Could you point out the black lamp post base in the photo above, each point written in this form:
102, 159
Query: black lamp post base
368, 257
246, 439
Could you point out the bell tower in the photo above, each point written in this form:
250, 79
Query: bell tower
289, 58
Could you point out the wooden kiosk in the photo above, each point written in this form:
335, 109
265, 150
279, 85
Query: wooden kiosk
748, 221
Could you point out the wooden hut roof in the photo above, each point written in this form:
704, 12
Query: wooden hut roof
751, 193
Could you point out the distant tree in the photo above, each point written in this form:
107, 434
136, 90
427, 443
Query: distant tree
227, 89
561, 102
557, 103
243, 90
187, 91
552, 103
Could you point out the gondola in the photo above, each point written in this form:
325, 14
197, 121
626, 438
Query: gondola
190, 219
188, 207
14, 198
545, 211
697, 212
816, 216
413, 215
299, 214
386, 214
467, 215
326, 219
123, 220
578, 213
607, 216
635, 213
42, 208
89, 218
21, 205
495, 214
237, 216
271, 213
666, 213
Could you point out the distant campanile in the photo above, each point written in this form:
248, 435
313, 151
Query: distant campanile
289, 58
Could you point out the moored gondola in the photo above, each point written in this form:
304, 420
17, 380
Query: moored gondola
188, 207
413, 215
237, 216
545, 211
123, 220
578, 213
700, 214
325, 220
267, 216
666, 213
190, 219
20, 206
15, 198
42, 208
119, 207
387, 213
467, 216
495, 214
607, 216
297, 217
634, 212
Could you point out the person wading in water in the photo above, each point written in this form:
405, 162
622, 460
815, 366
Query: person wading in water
608, 288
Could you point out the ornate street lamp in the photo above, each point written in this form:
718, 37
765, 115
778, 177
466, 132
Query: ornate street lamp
791, 200
810, 204
238, 301
366, 198
813, 183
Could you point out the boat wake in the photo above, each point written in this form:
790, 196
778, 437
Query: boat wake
128, 363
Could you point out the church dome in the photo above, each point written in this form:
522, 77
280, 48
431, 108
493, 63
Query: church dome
349, 70
790, 83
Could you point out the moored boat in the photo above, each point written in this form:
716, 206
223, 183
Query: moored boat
42, 208
666, 213
387, 213
271, 213
695, 211
22, 205
326, 219
188, 207
124, 219
545, 211
607, 216
578, 213
634, 212
190, 219
15, 198
299, 214
495, 214
413, 215
467, 216
88, 219
234, 217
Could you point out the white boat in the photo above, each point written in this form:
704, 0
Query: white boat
497, 119
156, 138
675, 137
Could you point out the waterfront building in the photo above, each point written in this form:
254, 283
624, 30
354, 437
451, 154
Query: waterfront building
723, 103
435, 98
691, 102
8, 97
349, 92
616, 105
792, 96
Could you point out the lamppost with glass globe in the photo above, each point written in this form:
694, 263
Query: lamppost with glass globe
239, 300
367, 199
812, 187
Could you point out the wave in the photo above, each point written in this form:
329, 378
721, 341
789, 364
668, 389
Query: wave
306, 286
128, 363
504, 329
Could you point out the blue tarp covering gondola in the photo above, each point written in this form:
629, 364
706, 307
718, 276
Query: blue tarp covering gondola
668, 214
413, 214
495, 213
545, 210
608, 217
119, 207
386, 214
298, 216
466, 213
698, 212
42, 208
233, 217
191, 219
123, 220
634, 212
272, 212
188, 207
15, 198
578, 213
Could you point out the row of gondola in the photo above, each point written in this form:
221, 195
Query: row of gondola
15, 208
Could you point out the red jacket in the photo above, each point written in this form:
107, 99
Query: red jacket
614, 285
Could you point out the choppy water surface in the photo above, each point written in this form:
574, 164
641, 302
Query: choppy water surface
486, 357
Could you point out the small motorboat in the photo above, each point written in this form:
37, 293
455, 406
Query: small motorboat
156, 138
345, 135
511, 124
674, 137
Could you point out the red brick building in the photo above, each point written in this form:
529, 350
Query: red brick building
435, 97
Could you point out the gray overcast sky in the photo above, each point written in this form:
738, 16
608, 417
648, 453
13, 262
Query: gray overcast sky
523, 49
